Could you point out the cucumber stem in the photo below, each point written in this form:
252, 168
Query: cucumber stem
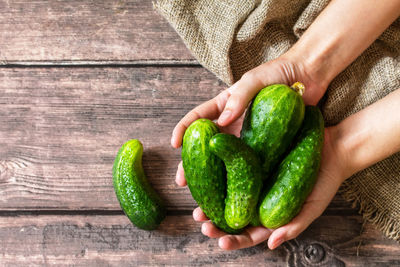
298, 87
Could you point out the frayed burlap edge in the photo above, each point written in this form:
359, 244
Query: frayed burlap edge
370, 213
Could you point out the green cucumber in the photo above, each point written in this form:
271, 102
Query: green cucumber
137, 198
204, 172
272, 121
296, 174
255, 221
244, 178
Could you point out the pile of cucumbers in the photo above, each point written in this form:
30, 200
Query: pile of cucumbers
263, 177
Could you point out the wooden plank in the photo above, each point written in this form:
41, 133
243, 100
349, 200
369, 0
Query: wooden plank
45, 30
113, 241
60, 129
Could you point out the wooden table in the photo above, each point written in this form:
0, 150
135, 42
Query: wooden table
78, 79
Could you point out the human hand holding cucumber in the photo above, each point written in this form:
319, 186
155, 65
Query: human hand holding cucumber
356, 143
348, 146
314, 206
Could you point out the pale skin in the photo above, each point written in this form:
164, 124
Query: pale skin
357, 142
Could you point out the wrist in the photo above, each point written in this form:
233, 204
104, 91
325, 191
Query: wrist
369, 135
314, 60
336, 38
336, 156
348, 143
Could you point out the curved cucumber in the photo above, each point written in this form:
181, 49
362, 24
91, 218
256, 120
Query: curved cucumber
137, 198
244, 178
272, 121
204, 172
296, 174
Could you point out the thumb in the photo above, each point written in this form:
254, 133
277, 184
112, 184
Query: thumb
240, 95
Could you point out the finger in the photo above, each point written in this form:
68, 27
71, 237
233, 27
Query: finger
180, 175
310, 211
210, 110
250, 237
211, 230
324, 190
322, 193
199, 216
234, 127
241, 93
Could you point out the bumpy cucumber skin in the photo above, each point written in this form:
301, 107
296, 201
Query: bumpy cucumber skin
137, 198
271, 122
204, 172
244, 178
255, 221
296, 174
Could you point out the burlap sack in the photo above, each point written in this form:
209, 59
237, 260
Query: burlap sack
232, 37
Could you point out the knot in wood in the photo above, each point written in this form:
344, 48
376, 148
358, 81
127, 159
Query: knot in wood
314, 253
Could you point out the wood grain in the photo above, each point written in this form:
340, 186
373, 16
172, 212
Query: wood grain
112, 240
112, 30
60, 129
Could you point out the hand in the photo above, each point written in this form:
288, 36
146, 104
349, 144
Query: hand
228, 107
235, 100
359, 141
332, 173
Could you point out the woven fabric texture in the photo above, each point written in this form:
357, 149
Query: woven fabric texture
231, 37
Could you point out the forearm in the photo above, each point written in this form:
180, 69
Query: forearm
340, 34
370, 135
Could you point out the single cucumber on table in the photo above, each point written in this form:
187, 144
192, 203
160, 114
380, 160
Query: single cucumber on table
204, 172
296, 174
272, 121
137, 198
244, 178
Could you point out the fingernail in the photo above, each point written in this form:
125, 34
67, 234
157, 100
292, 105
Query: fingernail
221, 242
195, 215
180, 179
172, 141
226, 242
224, 116
204, 229
173, 137
277, 243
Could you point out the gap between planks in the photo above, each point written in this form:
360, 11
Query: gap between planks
17, 213
100, 63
